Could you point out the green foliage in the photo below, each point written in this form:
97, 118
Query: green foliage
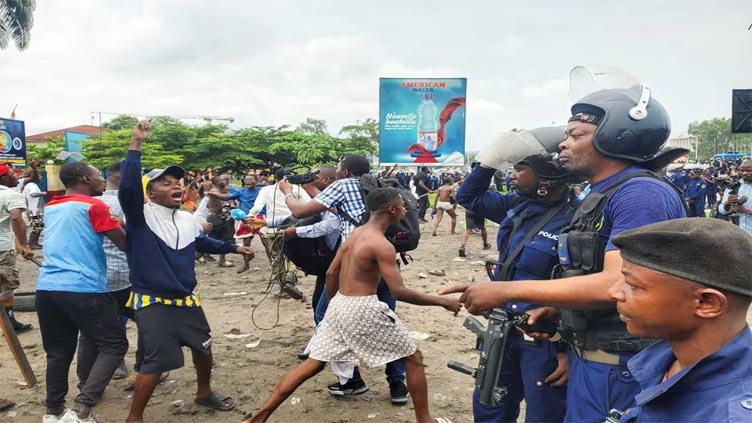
714, 136
121, 122
219, 148
46, 152
16, 21
363, 137
312, 126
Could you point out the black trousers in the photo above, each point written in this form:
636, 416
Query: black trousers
62, 315
87, 352
422, 206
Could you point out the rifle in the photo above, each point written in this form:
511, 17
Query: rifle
491, 343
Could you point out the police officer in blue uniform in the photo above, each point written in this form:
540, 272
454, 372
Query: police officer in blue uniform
680, 178
530, 220
696, 189
700, 371
613, 140
711, 188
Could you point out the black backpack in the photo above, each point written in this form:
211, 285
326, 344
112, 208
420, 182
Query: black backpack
311, 255
404, 235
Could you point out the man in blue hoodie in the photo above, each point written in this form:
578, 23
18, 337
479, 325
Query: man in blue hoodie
161, 245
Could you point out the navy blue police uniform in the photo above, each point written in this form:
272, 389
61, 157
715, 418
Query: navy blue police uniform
525, 364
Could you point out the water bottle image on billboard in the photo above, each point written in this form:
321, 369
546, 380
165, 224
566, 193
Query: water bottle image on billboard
422, 121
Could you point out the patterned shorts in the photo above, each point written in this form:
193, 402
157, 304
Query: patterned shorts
360, 330
36, 223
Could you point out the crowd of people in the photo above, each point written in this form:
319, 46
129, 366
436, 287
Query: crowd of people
592, 237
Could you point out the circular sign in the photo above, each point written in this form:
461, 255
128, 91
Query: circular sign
17, 143
6, 143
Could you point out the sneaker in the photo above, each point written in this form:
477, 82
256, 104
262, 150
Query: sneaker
352, 387
398, 392
53, 418
462, 252
71, 416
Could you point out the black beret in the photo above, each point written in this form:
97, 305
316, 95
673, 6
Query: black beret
707, 251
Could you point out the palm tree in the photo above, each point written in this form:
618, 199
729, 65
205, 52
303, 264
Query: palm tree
16, 20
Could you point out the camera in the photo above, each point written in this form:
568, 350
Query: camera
729, 182
303, 178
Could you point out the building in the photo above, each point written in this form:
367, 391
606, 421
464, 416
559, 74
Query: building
41, 139
682, 141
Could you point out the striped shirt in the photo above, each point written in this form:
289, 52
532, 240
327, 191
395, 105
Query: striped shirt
117, 262
345, 196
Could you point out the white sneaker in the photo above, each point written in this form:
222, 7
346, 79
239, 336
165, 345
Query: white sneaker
71, 416
53, 418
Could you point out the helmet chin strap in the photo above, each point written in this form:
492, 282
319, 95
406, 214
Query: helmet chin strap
543, 187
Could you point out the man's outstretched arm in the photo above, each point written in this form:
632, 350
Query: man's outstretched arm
578, 293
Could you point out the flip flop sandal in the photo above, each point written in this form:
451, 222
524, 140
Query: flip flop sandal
22, 328
216, 401
6, 404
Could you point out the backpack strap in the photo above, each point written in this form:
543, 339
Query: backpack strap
553, 211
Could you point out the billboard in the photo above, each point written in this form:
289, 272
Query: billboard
422, 121
12, 142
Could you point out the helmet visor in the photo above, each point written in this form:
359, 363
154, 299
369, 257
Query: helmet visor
585, 80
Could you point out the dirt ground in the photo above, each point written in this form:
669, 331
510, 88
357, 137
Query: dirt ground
249, 374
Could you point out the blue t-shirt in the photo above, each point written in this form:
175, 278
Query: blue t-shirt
637, 202
245, 196
74, 259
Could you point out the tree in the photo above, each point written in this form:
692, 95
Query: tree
16, 21
714, 136
312, 126
362, 138
46, 152
121, 122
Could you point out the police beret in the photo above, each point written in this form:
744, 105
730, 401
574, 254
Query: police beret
707, 251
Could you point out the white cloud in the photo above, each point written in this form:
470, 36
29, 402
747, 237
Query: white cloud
273, 63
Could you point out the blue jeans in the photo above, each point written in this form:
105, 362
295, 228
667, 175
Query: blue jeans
395, 370
524, 367
594, 389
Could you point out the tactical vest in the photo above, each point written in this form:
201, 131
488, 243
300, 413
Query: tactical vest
581, 252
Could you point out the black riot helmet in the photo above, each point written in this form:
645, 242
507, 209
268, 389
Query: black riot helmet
631, 124
545, 165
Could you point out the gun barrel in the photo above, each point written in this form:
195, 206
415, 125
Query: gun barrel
462, 368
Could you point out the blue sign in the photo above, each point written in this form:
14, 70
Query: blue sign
422, 121
12, 142
74, 140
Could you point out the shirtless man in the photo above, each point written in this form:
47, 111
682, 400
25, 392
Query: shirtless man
444, 202
223, 227
355, 312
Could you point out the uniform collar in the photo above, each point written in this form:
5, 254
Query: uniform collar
717, 369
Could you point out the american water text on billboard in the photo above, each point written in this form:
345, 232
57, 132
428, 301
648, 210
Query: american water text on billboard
422, 121
12, 142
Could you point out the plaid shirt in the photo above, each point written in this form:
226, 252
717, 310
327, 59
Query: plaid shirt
117, 263
344, 194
